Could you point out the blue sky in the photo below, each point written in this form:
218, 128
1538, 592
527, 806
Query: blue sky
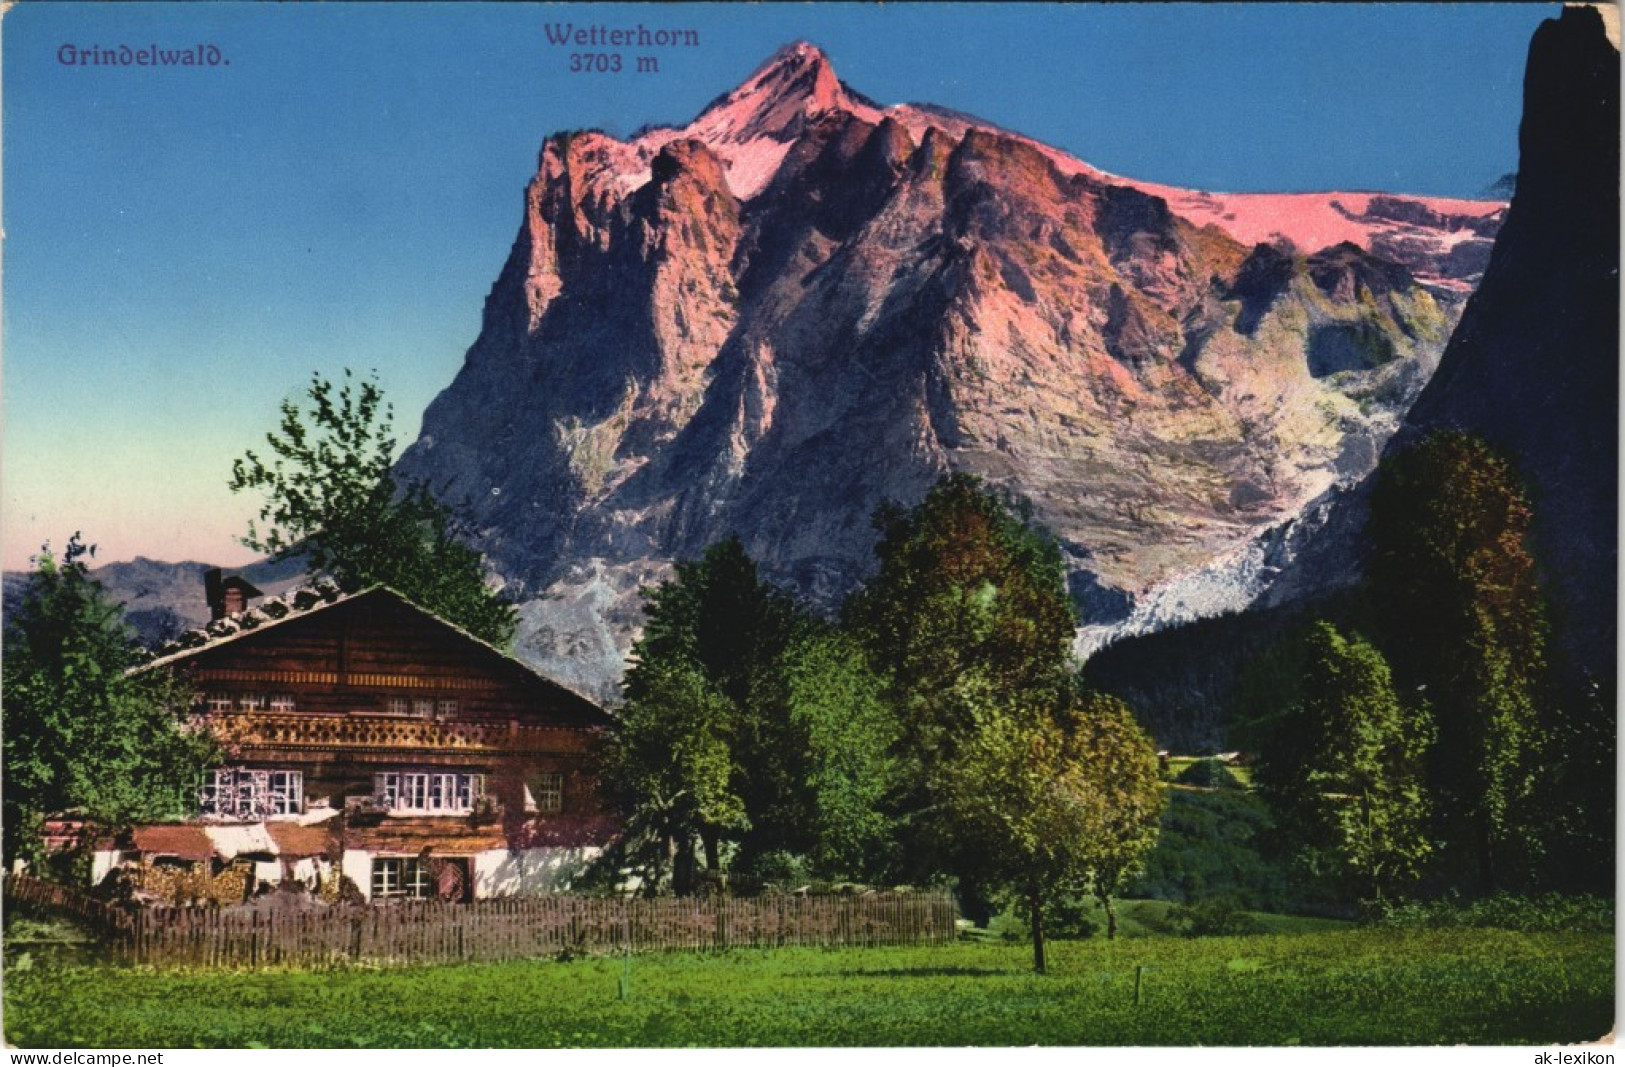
185, 246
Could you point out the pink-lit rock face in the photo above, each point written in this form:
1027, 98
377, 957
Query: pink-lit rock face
1445, 243
803, 304
752, 127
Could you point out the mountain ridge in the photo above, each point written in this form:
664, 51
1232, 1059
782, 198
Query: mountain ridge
1311, 219
801, 304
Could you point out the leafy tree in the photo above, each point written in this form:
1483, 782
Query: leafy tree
1120, 761
722, 630
331, 494
1349, 783
785, 736
1578, 793
969, 600
1455, 585
1054, 802
846, 733
965, 584
82, 733
671, 767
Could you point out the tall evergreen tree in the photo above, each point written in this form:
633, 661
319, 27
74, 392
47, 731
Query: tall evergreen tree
722, 632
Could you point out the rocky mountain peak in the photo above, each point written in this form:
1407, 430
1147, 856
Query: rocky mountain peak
795, 84
802, 304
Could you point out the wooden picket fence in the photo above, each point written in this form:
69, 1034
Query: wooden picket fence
20, 889
504, 929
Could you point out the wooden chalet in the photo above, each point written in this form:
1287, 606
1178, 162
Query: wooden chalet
369, 739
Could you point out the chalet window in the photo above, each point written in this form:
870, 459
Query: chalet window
421, 707
287, 792
221, 701
282, 702
239, 793
403, 876
409, 791
547, 792
251, 701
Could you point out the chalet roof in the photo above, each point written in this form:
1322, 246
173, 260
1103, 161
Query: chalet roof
295, 604
182, 842
321, 596
293, 839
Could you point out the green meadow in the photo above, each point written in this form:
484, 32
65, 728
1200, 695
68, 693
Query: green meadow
1299, 982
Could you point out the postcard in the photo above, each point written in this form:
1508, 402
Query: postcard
903, 525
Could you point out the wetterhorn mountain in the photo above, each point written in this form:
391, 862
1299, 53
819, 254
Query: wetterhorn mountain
803, 304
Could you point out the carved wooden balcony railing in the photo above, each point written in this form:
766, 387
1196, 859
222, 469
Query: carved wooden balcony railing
294, 730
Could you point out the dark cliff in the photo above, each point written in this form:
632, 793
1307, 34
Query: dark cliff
1533, 367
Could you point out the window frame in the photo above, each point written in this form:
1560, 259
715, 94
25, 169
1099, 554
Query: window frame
252, 793
428, 792
401, 878
548, 792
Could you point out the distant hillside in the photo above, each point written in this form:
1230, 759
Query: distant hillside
163, 599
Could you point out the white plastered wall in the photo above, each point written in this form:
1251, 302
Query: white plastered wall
528, 872
102, 863
357, 867
309, 871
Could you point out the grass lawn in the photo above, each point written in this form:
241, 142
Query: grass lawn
1309, 986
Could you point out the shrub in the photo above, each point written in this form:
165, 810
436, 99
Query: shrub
1214, 917
1209, 774
1552, 912
785, 870
1068, 918
1212, 844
